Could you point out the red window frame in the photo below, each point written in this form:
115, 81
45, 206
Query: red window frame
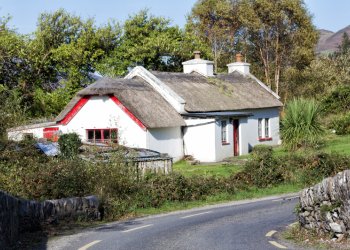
102, 133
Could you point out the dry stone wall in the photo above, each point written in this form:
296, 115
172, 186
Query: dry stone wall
20, 215
325, 207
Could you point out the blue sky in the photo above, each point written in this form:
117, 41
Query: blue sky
332, 15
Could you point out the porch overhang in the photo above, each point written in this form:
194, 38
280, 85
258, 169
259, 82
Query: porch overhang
225, 114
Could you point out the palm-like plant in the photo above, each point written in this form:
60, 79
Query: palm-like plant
300, 125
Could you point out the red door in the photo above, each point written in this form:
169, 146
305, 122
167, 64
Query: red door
236, 137
51, 133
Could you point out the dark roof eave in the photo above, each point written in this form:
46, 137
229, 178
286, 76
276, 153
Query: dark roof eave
217, 114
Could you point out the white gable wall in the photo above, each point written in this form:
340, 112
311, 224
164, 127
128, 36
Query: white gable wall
166, 140
101, 112
199, 139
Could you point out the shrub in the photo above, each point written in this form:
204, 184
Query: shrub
264, 169
300, 125
69, 145
341, 124
338, 100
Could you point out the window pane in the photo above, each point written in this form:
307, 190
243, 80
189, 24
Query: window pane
223, 131
90, 135
106, 134
114, 135
267, 129
98, 135
260, 128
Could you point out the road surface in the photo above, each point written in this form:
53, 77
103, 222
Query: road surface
237, 225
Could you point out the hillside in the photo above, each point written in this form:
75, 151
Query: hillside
329, 40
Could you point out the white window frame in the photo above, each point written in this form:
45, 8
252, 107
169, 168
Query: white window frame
224, 132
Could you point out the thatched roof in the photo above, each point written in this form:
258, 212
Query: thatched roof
226, 92
138, 97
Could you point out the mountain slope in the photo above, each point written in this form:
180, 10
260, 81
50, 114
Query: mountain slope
329, 41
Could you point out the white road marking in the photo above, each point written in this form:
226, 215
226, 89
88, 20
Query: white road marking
269, 234
136, 228
89, 245
286, 199
274, 243
193, 215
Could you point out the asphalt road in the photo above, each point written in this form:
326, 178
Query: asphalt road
238, 225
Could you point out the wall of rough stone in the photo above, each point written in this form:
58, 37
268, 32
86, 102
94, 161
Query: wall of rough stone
20, 215
325, 207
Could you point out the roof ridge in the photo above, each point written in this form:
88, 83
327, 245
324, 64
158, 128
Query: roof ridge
176, 101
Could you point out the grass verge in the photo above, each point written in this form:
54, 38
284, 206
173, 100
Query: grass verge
311, 239
251, 193
215, 169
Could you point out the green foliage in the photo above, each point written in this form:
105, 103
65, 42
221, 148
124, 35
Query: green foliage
300, 125
278, 35
264, 169
217, 24
11, 111
151, 42
338, 100
69, 145
341, 124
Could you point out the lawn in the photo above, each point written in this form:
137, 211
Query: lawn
337, 144
220, 169
332, 144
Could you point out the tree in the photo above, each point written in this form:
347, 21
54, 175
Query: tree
12, 55
67, 47
216, 22
279, 34
148, 41
344, 47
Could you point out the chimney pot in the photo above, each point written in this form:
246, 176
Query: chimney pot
197, 54
239, 57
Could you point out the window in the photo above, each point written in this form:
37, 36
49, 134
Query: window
102, 135
260, 128
267, 128
264, 129
224, 132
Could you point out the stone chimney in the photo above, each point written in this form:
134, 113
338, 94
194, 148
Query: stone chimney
239, 66
198, 65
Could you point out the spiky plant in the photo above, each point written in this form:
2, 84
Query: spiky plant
301, 126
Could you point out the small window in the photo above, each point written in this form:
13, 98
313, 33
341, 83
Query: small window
260, 128
102, 135
267, 128
224, 132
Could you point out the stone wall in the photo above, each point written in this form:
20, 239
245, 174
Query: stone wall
325, 207
20, 215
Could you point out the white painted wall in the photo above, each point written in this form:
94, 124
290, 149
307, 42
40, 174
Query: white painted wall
19, 134
101, 112
166, 140
36, 130
249, 129
199, 139
223, 151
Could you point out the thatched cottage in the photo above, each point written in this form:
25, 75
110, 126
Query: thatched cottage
196, 113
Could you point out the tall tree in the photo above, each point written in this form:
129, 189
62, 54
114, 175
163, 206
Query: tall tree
344, 47
67, 47
280, 34
149, 41
12, 55
216, 22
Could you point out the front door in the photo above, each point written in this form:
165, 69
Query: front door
236, 137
